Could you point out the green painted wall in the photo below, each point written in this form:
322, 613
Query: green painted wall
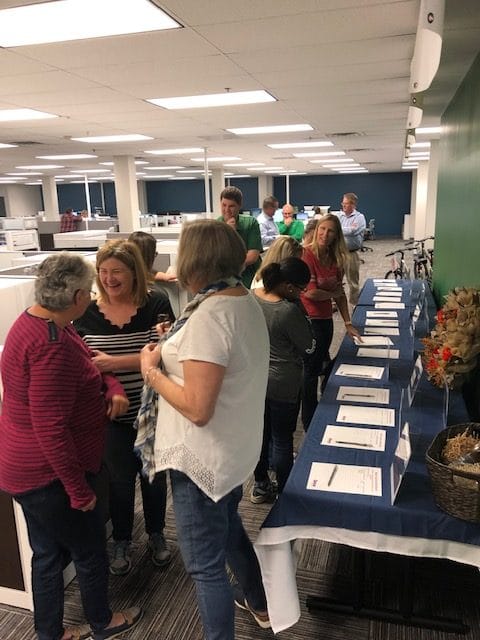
457, 231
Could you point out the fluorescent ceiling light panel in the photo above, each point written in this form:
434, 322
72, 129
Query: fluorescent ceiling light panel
193, 171
12, 115
240, 175
80, 171
331, 161
280, 128
421, 145
24, 173
354, 171
427, 130
73, 156
40, 166
171, 168
301, 145
316, 154
66, 20
167, 175
184, 178
110, 164
4, 145
419, 154
245, 164
265, 169
128, 137
33, 184
215, 159
174, 152
226, 99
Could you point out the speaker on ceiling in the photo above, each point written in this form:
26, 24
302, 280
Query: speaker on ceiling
428, 45
415, 112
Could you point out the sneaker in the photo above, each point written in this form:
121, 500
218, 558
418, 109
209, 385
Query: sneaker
121, 562
161, 555
260, 617
131, 617
263, 492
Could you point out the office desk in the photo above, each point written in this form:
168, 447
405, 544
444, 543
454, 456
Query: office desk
414, 526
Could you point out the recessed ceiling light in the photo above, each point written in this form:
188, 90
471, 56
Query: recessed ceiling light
193, 171
167, 175
33, 184
354, 171
173, 152
12, 115
70, 175
226, 99
421, 130
73, 156
245, 164
419, 154
240, 175
184, 178
339, 167
331, 161
128, 137
301, 145
317, 154
110, 164
140, 173
66, 20
421, 145
4, 145
80, 171
40, 166
265, 169
215, 159
281, 128
24, 173
170, 168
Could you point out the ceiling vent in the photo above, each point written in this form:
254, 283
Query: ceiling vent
345, 134
24, 143
357, 150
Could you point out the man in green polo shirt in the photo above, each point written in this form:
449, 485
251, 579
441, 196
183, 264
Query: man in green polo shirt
247, 228
290, 226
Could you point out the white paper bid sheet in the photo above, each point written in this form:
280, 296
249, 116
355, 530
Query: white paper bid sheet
373, 341
374, 395
354, 438
360, 371
382, 314
381, 322
381, 331
345, 478
378, 416
393, 354
389, 305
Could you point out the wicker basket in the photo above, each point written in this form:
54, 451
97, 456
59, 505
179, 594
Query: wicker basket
456, 492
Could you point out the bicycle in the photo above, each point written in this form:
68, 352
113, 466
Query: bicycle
399, 270
422, 260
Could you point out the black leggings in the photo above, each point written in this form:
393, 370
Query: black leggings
314, 366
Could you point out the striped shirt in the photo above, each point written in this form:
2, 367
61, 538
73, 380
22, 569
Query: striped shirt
100, 334
54, 412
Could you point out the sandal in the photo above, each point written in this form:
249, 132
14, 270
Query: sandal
80, 632
131, 617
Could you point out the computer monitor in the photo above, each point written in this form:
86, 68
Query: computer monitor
303, 216
278, 216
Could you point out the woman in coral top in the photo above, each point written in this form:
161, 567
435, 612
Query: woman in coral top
326, 257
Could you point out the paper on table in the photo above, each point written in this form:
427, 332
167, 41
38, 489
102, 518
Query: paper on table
381, 331
378, 416
374, 395
388, 287
381, 322
393, 354
389, 305
388, 299
354, 438
382, 314
389, 291
360, 371
369, 341
393, 283
345, 478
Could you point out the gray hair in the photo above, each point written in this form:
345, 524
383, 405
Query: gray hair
59, 277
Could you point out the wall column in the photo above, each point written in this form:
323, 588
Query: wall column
421, 197
142, 196
218, 185
126, 193
50, 198
265, 188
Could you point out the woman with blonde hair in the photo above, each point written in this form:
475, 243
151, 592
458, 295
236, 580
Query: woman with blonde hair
281, 248
116, 326
326, 257
210, 420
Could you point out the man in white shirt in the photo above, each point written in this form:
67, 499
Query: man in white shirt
268, 228
353, 227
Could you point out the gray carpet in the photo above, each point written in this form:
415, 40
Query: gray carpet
324, 569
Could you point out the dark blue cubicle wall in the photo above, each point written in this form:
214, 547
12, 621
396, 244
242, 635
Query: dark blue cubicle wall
383, 196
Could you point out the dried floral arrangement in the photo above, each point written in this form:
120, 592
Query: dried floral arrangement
452, 348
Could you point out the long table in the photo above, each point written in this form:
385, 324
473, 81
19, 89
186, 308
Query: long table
414, 526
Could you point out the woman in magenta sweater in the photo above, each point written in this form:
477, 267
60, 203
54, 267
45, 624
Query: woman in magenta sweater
55, 410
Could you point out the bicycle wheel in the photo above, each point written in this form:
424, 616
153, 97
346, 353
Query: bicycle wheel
419, 271
391, 275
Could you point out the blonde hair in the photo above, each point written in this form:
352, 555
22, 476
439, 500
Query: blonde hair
281, 248
337, 252
129, 254
208, 251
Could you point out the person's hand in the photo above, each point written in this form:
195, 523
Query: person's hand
117, 406
150, 356
352, 331
288, 220
90, 506
232, 221
163, 276
102, 361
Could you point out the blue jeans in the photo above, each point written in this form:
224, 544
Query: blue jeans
280, 421
211, 534
314, 366
124, 466
57, 533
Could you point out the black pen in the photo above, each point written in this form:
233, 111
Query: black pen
358, 395
358, 444
332, 475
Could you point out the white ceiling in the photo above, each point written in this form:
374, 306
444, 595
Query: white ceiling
342, 66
